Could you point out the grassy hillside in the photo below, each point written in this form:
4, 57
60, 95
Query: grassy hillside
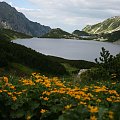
19, 60
6, 34
13, 53
80, 33
73, 66
59, 33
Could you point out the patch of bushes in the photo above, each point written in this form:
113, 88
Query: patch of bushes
107, 67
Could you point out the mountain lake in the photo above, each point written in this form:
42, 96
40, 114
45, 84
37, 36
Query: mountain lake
69, 49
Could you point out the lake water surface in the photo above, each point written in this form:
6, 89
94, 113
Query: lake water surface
69, 49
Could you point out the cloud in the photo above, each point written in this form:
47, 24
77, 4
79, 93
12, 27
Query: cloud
78, 12
71, 14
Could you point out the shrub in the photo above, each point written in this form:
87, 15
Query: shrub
107, 67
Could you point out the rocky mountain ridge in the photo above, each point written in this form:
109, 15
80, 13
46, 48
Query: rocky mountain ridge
10, 18
107, 26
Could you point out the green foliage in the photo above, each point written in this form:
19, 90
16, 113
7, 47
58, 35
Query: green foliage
80, 33
19, 59
70, 68
59, 33
112, 37
14, 53
32, 98
79, 113
78, 64
6, 34
95, 74
105, 58
108, 67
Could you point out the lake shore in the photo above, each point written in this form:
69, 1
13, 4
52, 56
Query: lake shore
117, 42
73, 49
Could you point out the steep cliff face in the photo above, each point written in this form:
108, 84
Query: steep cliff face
108, 26
10, 18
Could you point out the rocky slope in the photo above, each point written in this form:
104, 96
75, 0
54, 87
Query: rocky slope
10, 18
107, 26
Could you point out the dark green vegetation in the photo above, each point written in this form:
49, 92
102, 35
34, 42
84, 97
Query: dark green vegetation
73, 65
109, 25
108, 67
22, 59
84, 35
10, 18
96, 95
112, 37
42, 98
80, 33
19, 60
59, 33
6, 34
12, 53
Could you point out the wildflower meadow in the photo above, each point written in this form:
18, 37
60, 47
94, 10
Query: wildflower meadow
40, 97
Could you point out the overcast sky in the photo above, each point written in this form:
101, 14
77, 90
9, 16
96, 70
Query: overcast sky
67, 14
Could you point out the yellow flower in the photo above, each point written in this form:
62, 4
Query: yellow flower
77, 96
46, 99
28, 117
4, 90
112, 91
68, 106
5, 79
9, 93
43, 111
93, 109
0, 91
46, 93
111, 115
24, 90
18, 93
14, 98
93, 118
114, 83
34, 73
12, 87
109, 99
83, 103
98, 100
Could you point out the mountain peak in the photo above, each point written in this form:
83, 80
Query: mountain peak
5, 4
10, 18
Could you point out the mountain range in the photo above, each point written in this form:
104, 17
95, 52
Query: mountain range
107, 26
10, 18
